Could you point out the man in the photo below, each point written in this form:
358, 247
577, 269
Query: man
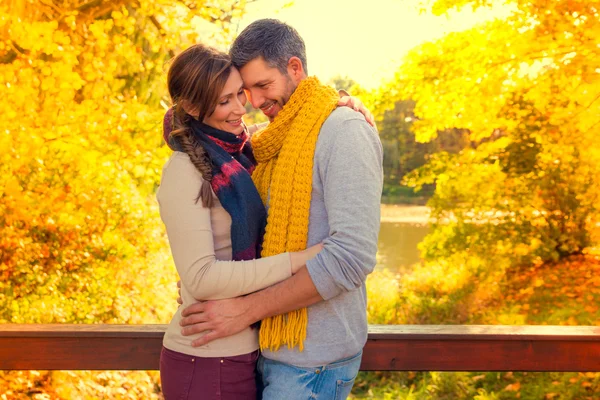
320, 174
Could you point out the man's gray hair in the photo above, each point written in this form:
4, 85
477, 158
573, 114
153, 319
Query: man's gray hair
271, 39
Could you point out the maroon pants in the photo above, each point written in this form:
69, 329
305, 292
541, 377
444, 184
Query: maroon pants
208, 378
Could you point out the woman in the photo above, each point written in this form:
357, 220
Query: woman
215, 220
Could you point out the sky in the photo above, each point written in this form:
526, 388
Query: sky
364, 40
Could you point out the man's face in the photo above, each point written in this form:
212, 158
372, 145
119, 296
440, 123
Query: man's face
266, 87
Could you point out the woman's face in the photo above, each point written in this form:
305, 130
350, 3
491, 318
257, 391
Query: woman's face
230, 106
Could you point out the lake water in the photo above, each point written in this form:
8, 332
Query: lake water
402, 228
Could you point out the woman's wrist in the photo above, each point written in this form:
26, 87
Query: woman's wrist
297, 261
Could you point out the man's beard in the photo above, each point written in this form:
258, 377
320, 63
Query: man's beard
289, 90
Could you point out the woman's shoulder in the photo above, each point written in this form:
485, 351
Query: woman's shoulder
178, 191
180, 164
179, 175
177, 157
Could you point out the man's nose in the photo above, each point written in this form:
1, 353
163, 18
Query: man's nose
255, 99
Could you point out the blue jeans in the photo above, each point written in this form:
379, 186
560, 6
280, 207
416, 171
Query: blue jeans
327, 382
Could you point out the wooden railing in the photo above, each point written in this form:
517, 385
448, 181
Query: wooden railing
389, 347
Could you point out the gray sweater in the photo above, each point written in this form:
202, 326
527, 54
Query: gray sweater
344, 215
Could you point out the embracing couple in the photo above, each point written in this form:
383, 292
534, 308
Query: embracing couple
273, 229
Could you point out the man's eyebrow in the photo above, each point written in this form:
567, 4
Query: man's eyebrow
261, 83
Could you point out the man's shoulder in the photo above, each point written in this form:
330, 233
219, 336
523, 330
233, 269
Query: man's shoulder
348, 124
341, 116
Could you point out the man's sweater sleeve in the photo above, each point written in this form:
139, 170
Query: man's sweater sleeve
351, 173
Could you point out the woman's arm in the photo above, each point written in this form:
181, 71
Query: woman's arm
189, 228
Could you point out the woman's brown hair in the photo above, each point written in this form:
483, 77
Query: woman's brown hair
195, 80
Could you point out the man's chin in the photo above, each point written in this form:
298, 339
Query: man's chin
273, 111
270, 116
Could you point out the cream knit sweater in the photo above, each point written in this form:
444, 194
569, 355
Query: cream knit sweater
201, 246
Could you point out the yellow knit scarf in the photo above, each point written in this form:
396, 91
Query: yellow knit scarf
284, 152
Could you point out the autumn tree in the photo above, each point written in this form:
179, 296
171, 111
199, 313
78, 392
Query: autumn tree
527, 89
83, 94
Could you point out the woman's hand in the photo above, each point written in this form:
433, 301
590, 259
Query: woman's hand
354, 102
299, 258
252, 129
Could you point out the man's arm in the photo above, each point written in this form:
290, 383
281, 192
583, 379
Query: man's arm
349, 165
294, 293
224, 318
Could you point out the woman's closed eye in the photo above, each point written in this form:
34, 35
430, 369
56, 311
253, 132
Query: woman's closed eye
226, 101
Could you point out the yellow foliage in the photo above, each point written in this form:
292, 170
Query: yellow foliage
526, 89
82, 95
384, 298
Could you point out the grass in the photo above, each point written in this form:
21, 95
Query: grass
563, 293
559, 293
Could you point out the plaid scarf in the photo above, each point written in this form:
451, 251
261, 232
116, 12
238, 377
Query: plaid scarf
232, 164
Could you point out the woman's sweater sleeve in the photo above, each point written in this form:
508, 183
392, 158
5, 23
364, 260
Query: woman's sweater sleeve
189, 229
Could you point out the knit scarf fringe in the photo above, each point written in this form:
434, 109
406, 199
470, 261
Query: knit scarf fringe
284, 152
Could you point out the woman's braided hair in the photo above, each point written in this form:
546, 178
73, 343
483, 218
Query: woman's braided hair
198, 157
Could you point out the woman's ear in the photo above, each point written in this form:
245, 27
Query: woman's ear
190, 109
